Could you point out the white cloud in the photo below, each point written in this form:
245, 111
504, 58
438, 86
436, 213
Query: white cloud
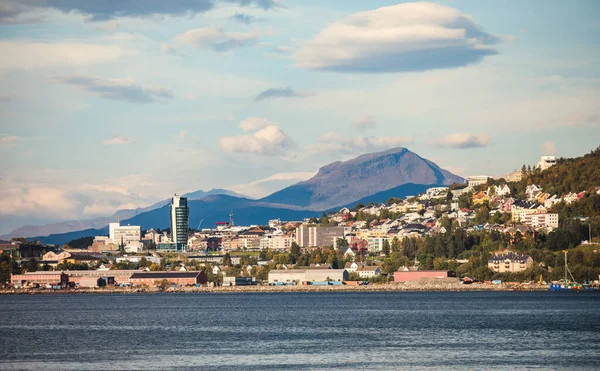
118, 140
29, 54
118, 89
464, 140
23, 197
404, 37
255, 123
267, 139
364, 122
167, 49
110, 26
217, 39
335, 143
549, 148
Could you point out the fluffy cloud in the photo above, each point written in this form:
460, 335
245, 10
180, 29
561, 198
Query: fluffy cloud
118, 89
20, 197
117, 140
28, 54
267, 139
106, 10
255, 123
403, 37
363, 122
217, 39
464, 140
335, 143
278, 93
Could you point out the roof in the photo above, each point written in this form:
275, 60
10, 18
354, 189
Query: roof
160, 275
511, 257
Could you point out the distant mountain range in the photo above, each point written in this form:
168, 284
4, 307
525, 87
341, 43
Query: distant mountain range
373, 177
100, 222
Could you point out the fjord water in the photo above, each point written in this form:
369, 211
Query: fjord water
257, 331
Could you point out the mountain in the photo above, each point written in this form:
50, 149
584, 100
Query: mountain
373, 177
339, 183
100, 222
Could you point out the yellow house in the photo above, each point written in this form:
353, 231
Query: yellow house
480, 197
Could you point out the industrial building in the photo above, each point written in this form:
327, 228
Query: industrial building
303, 275
177, 278
402, 276
40, 279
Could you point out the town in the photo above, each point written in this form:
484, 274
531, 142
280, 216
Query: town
493, 231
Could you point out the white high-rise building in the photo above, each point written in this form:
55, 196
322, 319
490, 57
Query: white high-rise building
180, 221
124, 234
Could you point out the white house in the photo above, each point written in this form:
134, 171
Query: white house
369, 271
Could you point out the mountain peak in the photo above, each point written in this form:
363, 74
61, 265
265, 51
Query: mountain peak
342, 182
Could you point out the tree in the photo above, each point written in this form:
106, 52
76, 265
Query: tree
33, 265
227, 259
154, 267
342, 242
386, 248
295, 252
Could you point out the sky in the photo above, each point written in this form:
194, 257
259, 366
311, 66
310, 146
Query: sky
111, 105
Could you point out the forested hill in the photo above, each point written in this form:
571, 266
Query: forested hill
568, 175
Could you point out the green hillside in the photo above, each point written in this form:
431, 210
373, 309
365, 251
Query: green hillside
568, 175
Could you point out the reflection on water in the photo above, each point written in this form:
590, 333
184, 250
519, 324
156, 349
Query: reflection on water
253, 331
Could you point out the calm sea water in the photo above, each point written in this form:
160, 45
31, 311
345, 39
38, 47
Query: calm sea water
253, 331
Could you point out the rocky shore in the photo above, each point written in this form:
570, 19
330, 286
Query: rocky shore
415, 286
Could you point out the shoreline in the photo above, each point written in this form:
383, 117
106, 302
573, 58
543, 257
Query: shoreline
286, 289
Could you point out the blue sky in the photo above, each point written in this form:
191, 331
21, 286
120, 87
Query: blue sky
107, 106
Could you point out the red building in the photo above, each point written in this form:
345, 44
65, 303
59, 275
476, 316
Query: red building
416, 275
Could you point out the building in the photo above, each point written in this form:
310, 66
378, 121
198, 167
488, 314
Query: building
74, 256
478, 180
318, 236
238, 281
180, 214
276, 242
408, 275
124, 234
40, 279
369, 271
541, 220
174, 277
519, 214
546, 162
303, 275
510, 263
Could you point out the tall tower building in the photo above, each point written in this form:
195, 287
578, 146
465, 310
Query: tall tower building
179, 221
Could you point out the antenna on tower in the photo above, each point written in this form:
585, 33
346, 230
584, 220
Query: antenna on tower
231, 218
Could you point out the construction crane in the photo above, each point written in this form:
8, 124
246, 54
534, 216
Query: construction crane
199, 224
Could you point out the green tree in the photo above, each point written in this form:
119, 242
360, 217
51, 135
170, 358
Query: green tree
386, 248
33, 265
295, 252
